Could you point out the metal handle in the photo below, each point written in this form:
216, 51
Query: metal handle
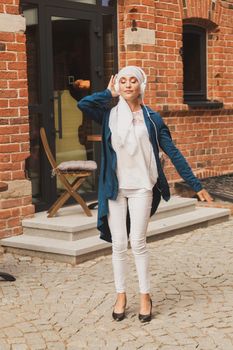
99, 71
58, 98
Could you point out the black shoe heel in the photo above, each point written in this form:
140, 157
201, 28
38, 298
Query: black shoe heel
146, 318
119, 316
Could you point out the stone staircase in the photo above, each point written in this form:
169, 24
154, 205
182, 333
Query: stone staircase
72, 237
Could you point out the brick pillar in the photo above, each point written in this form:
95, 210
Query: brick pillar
136, 30
15, 204
169, 67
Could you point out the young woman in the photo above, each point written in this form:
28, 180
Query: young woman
132, 180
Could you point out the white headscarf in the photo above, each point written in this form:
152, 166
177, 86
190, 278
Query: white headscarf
121, 116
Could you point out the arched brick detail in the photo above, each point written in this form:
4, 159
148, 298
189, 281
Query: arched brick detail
201, 22
191, 9
207, 9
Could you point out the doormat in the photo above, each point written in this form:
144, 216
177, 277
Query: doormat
219, 187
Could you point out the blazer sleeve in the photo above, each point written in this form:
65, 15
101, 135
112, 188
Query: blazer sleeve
177, 158
95, 105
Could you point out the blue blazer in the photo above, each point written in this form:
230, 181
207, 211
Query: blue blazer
96, 107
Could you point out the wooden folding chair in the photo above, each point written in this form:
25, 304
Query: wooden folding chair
70, 189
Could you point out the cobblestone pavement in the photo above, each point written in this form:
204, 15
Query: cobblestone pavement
57, 306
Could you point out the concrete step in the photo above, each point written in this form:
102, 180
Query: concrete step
196, 217
89, 247
71, 224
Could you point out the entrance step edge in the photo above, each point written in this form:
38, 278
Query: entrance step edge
87, 248
187, 219
71, 224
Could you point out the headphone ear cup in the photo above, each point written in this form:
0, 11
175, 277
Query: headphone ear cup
143, 87
116, 86
143, 84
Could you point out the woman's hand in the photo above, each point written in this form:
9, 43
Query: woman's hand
111, 86
204, 196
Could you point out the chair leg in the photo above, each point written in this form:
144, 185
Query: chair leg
72, 188
57, 205
82, 203
79, 199
65, 196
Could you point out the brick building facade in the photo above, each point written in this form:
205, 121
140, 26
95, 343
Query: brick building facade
150, 35
16, 203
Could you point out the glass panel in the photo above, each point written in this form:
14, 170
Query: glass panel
32, 47
192, 62
71, 62
108, 47
33, 162
108, 2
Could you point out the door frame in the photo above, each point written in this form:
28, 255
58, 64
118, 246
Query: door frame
64, 8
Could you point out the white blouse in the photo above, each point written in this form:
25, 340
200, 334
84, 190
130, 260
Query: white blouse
140, 170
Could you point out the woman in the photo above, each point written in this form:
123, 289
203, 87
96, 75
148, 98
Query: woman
132, 180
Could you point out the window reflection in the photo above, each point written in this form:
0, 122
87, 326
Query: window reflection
92, 2
72, 81
108, 2
32, 165
31, 15
108, 47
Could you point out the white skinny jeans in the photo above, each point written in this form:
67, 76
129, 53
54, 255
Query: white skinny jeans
139, 203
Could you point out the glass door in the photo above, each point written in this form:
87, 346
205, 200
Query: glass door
73, 58
71, 63
66, 41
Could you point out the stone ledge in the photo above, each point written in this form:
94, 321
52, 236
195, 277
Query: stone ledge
139, 37
12, 23
217, 204
16, 189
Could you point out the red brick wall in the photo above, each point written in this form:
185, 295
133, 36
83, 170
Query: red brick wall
9, 6
15, 204
169, 73
204, 137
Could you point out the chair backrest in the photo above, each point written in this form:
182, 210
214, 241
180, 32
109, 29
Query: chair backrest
47, 148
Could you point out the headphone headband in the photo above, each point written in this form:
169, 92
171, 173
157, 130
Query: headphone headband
142, 85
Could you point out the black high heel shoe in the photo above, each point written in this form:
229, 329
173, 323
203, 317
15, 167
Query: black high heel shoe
119, 316
146, 318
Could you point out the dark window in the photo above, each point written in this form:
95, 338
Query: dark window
194, 63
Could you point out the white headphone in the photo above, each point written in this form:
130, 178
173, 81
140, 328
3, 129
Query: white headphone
142, 86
